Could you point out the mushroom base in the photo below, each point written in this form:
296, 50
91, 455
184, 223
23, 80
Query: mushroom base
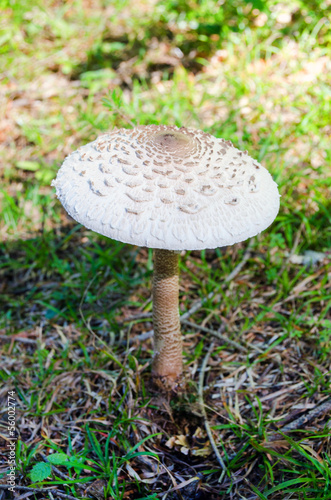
167, 362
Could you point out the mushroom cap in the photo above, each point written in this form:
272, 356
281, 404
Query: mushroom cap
167, 187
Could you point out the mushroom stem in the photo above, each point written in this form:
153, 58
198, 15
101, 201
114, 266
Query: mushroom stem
167, 361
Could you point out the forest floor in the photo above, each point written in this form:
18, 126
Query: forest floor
256, 392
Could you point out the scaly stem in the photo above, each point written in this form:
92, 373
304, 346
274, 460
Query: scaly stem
167, 361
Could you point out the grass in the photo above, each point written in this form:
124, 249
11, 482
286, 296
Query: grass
89, 424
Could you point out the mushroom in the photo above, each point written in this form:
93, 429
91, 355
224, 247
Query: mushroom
169, 189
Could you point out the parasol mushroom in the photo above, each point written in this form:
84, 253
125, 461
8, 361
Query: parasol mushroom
169, 189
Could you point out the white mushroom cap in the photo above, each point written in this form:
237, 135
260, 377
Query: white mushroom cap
167, 187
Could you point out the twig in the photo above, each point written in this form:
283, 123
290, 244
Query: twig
37, 490
140, 338
216, 334
137, 317
8, 338
304, 419
228, 278
184, 317
203, 409
96, 336
82, 302
293, 250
